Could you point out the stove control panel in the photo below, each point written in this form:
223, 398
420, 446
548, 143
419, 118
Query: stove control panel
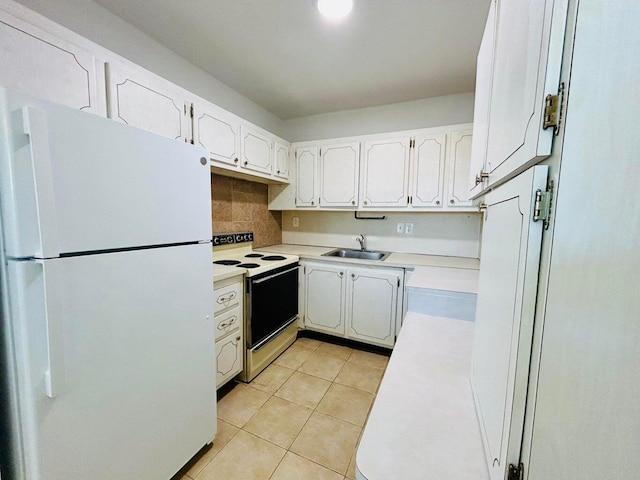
231, 238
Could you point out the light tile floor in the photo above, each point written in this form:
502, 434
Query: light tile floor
301, 418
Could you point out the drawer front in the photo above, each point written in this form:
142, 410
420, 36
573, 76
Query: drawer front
228, 322
227, 297
229, 360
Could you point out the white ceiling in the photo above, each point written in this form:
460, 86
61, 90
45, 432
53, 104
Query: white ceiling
285, 57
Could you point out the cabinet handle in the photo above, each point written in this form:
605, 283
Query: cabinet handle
235, 160
481, 177
227, 299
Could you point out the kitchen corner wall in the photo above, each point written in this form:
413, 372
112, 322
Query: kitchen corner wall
241, 206
449, 234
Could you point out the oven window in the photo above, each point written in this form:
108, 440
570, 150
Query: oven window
274, 301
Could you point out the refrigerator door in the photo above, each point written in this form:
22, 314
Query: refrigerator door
116, 362
76, 182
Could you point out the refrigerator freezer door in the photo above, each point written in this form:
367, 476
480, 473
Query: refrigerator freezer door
133, 363
75, 182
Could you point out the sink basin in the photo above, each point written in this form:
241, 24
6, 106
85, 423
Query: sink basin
360, 254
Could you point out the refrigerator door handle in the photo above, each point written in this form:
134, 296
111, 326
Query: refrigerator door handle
34, 123
54, 377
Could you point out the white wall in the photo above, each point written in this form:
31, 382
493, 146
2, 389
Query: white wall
426, 113
450, 234
94, 22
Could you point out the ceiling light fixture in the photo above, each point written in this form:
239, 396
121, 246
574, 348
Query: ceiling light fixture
334, 9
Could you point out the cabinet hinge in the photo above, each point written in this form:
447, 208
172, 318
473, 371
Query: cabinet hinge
553, 110
542, 206
515, 473
398, 282
295, 201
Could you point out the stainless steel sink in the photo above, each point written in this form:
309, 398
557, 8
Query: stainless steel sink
360, 254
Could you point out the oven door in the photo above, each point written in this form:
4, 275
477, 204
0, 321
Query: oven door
273, 304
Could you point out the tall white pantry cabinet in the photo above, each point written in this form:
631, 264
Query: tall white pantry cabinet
554, 368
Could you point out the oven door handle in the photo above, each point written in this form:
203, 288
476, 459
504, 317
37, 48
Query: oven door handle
256, 282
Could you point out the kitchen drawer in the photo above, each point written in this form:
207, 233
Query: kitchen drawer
229, 358
227, 297
228, 322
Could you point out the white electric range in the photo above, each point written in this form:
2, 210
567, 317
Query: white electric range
271, 298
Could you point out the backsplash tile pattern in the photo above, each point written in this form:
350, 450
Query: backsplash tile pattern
241, 206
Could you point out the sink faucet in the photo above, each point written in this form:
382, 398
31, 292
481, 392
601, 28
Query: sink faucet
362, 241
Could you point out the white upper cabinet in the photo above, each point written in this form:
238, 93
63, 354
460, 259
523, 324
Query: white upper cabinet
427, 170
145, 101
458, 169
256, 149
339, 168
281, 160
218, 133
484, 73
385, 173
306, 177
39, 64
526, 68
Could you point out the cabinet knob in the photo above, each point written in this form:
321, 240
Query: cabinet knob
235, 160
353, 275
353, 202
238, 338
278, 172
437, 202
366, 203
312, 202
246, 162
452, 201
341, 274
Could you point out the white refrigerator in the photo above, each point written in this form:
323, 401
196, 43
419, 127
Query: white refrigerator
108, 362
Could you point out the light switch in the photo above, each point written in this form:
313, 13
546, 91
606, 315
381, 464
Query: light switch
296, 222
409, 229
400, 228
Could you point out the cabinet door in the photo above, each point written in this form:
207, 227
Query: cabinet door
218, 133
38, 64
459, 156
526, 68
427, 170
484, 74
339, 175
385, 173
281, 164
325, 298
142, 100
256, 151
507, 290
229, 358
372, 299
306, 179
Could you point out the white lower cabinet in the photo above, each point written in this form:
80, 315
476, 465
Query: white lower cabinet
359, 303
325, 297
229, 321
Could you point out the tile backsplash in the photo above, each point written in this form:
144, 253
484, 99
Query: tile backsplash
241, 206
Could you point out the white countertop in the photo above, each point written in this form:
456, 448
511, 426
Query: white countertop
222, 272
403, 260
423, 423
444, 278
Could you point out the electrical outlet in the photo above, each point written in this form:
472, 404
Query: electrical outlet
400, 228
409, 229
296, 222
